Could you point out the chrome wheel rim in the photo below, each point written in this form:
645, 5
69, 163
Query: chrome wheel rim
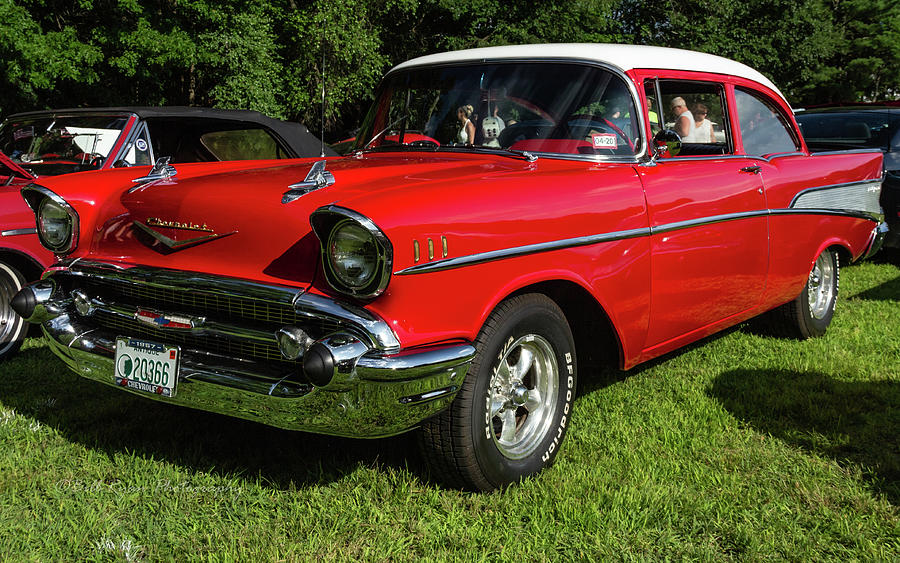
820, 287
10, 322
522, 396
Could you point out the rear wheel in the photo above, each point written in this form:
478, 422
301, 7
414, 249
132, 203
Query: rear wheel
12, 326
511, 414
810, 313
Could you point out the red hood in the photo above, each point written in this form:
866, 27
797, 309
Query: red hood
252, 234
5, 160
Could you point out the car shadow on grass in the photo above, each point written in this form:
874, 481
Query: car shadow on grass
37, 384
856, 423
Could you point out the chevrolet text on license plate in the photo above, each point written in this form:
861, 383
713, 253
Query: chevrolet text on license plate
146, 366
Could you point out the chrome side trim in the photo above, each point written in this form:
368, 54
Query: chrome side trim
848, 151
494, 255
18, 232
859, 196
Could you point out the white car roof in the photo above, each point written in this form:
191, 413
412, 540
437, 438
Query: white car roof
623, 57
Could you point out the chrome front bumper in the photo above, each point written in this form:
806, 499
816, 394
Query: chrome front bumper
376, 391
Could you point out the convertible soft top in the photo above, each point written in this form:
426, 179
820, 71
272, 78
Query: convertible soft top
296, 135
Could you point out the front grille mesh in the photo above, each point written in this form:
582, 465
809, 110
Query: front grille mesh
243, 312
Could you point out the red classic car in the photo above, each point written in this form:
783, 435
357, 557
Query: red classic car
461, 285
49, 143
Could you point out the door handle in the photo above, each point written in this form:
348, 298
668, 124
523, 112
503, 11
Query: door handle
753, 169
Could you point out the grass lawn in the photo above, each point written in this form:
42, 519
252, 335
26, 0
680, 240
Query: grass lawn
740, 447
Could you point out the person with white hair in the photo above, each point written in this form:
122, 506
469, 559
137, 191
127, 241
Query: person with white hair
684, 122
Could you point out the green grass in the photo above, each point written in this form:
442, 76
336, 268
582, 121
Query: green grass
741, 447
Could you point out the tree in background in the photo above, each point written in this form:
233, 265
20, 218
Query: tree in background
268, 54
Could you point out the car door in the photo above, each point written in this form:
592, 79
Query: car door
708, 220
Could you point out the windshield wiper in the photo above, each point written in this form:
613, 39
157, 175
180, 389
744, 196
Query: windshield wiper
385, 130
528, 156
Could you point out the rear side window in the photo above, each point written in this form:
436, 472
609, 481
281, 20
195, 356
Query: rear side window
764, 129
242, 144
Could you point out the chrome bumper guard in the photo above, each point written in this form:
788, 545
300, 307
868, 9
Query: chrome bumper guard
377, 389
876, 241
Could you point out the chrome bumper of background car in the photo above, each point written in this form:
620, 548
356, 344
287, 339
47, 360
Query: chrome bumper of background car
876, 241
372, 392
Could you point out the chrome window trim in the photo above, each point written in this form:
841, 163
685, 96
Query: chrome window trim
130, 139
632, 89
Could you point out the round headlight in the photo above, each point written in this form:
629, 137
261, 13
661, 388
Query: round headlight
353, 255
55, 225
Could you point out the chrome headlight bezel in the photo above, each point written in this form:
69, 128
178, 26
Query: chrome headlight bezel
328, 223
40, 200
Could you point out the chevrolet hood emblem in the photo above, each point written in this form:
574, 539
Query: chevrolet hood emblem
180, 244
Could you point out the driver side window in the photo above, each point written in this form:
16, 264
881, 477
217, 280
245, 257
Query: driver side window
697, 111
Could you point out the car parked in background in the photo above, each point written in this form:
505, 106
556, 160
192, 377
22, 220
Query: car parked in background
861, 126
458, 282
38, 144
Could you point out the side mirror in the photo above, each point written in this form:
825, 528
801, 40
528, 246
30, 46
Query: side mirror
666, 143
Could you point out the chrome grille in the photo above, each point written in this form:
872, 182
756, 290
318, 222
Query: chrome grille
254, 313
123, 326
219, 308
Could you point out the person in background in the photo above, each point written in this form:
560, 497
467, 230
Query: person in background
703, 132
466, 134
684, 120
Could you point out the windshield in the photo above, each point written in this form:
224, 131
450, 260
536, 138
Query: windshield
49, 145
849, 129
564, 108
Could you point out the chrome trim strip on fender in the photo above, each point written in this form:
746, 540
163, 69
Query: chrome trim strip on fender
494, 255
17, 232
858, 196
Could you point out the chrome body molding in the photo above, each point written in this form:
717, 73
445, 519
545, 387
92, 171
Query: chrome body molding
494, 255
858, 200
385, 395
857, 196
18, 232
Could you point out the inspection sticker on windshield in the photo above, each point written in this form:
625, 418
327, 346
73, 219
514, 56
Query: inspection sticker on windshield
604, 140
146, 366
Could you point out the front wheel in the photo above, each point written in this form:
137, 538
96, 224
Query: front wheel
12, 326
511, 414
810, 313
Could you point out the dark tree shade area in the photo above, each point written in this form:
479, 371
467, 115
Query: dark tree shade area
268, 54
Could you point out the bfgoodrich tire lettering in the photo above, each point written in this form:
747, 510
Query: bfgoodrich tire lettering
12, 326
512, 412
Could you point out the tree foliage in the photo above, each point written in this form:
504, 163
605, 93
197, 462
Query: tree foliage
268, 55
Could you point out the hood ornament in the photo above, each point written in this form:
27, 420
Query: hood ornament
317, 178
162, 170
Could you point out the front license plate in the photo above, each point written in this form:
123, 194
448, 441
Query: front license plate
146, 366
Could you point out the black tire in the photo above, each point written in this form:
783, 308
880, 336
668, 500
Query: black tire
502, 428
810, 313
13, 328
